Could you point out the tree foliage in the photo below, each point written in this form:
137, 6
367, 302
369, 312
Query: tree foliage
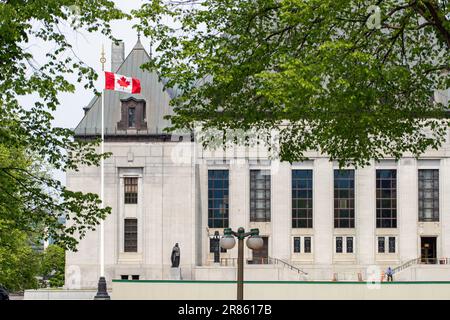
29, 144
52, 267
328, 75
23, 263
19, 263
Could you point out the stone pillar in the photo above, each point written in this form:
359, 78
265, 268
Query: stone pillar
281, 211
365, 212
110, 223
203, 228
323, 211
407, 208
444, 210
239, 199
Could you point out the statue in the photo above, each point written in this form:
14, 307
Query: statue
175, 257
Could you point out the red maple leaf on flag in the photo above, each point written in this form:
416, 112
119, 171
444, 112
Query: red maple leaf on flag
123, 82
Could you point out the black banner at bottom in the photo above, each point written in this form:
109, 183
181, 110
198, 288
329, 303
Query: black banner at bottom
196, 310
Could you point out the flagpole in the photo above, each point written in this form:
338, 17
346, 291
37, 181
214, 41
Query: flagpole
102, 190
102, 293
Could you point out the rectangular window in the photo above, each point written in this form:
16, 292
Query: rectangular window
386, 189
338, 244
124, 277
260, 195
135, 277
307, 245
218, 184
381, 245
344, 198
391, 244
131, 190
130, 238
302, 199
297, 244
429, 195
349, 244
131, 117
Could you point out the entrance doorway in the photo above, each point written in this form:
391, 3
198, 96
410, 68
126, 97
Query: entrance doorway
261, 256
428, 250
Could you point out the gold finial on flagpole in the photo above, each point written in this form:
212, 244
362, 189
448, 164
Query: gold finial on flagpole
103, 59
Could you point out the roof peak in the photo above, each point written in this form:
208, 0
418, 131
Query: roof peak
138, 45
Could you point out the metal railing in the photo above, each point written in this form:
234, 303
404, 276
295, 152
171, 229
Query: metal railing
232, 262
228, 262
406, 265
421, 260
266, 260
434, 260
290, 266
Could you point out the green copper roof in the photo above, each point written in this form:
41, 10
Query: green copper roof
157, 100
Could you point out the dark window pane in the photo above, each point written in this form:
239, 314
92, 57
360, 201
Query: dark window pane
429, 195
386, 201
349, 244
391, 244
386, 213
302, 204
381, 244
307, 246
130, 237
338, 244
297, 244
260, 195
386, 184
131, 190
218, 198
344, 198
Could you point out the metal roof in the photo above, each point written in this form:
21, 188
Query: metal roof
156, 98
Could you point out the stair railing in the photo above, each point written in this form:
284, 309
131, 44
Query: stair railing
406, 265
288, 265
232, 262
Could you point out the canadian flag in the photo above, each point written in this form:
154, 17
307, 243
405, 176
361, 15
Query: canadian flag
118, 82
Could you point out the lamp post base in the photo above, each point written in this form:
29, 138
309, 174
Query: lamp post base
102, 293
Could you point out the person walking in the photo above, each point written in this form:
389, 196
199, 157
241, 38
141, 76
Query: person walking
389, 273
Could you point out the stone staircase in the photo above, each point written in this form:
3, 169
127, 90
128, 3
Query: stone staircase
267, 269
419, 269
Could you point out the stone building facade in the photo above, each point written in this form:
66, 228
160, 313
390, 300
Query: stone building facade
326, 222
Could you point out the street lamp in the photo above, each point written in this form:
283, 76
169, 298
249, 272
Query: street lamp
254, 242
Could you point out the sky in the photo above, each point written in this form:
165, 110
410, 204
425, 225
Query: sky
87, 46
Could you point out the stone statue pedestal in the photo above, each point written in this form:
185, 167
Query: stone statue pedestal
175, 274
